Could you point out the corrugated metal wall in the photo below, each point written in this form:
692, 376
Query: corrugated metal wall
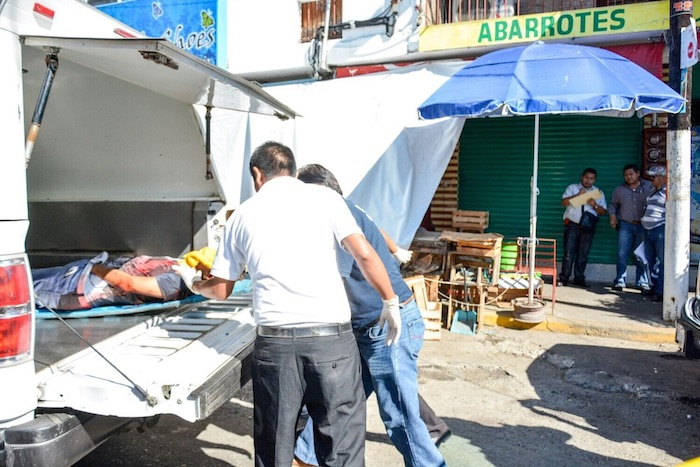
495, 168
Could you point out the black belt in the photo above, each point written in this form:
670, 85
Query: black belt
631, 222
363, 329
306, 331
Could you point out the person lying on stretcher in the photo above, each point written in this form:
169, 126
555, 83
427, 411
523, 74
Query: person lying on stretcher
127, 280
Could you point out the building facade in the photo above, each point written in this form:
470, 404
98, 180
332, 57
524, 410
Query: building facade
280, 42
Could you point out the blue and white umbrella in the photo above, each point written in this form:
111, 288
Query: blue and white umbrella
540, 79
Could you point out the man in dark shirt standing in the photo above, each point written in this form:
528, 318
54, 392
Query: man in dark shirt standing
626, 209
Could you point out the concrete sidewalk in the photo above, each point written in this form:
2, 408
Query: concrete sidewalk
595, 311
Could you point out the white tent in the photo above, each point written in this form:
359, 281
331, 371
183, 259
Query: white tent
365, 129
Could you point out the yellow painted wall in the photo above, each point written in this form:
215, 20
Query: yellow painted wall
652, 16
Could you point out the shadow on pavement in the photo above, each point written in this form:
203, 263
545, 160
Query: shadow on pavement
630, 403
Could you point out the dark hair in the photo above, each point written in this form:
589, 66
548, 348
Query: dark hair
319, 175
589, 170
273, 159
630, 166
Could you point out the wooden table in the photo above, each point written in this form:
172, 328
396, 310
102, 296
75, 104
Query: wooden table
479, 249
427, 241
466, 294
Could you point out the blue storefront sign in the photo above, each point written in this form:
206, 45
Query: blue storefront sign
695, 195
191, 25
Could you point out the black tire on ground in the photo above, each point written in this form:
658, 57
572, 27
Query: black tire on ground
690, 348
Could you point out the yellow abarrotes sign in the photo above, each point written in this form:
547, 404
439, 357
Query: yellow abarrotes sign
651, 16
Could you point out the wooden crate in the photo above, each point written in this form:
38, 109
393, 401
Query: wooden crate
486, 245
433, 324
470, 221
432, 286
477, 250
431, 312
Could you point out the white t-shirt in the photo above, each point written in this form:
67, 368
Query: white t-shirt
287, 234
574, 213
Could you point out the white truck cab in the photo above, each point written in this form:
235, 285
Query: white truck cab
103, 147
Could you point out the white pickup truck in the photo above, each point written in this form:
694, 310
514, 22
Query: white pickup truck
106, 145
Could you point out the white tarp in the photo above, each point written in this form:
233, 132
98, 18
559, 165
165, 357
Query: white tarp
234, 136
364, 129
399, 188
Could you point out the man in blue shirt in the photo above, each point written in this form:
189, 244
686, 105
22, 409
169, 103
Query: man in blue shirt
390, 371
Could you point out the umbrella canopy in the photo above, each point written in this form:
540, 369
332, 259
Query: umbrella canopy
545, 78
553, 78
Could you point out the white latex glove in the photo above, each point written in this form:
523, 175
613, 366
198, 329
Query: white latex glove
189, 275
402, 256
391, 316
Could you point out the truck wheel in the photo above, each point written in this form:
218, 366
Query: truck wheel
690, 348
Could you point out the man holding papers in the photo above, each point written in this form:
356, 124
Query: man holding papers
584, 202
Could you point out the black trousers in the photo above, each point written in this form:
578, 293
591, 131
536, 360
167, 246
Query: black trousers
325, 374
577, 244
436, 425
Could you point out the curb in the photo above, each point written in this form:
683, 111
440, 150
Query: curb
552, 324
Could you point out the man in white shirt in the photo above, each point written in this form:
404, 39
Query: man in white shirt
579, 227
305, 352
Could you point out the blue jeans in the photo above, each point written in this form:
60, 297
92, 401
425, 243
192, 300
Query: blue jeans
654, 251
325, 374
577, 244
629, 236
391, 372
50, 284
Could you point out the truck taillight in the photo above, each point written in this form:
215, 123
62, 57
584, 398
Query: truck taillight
15, 310
14, 284
15, 335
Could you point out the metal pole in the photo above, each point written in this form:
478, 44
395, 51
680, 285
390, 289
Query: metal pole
677, 231
207, 119
324, 44
33, 133
533, 215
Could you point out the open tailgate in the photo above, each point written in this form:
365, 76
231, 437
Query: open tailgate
162, 67
186, 362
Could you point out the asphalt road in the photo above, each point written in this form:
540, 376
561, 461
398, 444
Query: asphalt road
511, 398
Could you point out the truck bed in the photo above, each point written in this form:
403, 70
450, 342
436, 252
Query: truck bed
186, 361
177, 362
55, 341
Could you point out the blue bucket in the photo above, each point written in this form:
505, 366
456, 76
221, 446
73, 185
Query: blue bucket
464, 322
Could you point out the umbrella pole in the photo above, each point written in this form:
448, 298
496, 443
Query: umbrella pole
533, 214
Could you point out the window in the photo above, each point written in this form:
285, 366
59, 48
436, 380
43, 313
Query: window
454, 11
313, 16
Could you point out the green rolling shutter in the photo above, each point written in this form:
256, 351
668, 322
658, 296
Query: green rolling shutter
495, 168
